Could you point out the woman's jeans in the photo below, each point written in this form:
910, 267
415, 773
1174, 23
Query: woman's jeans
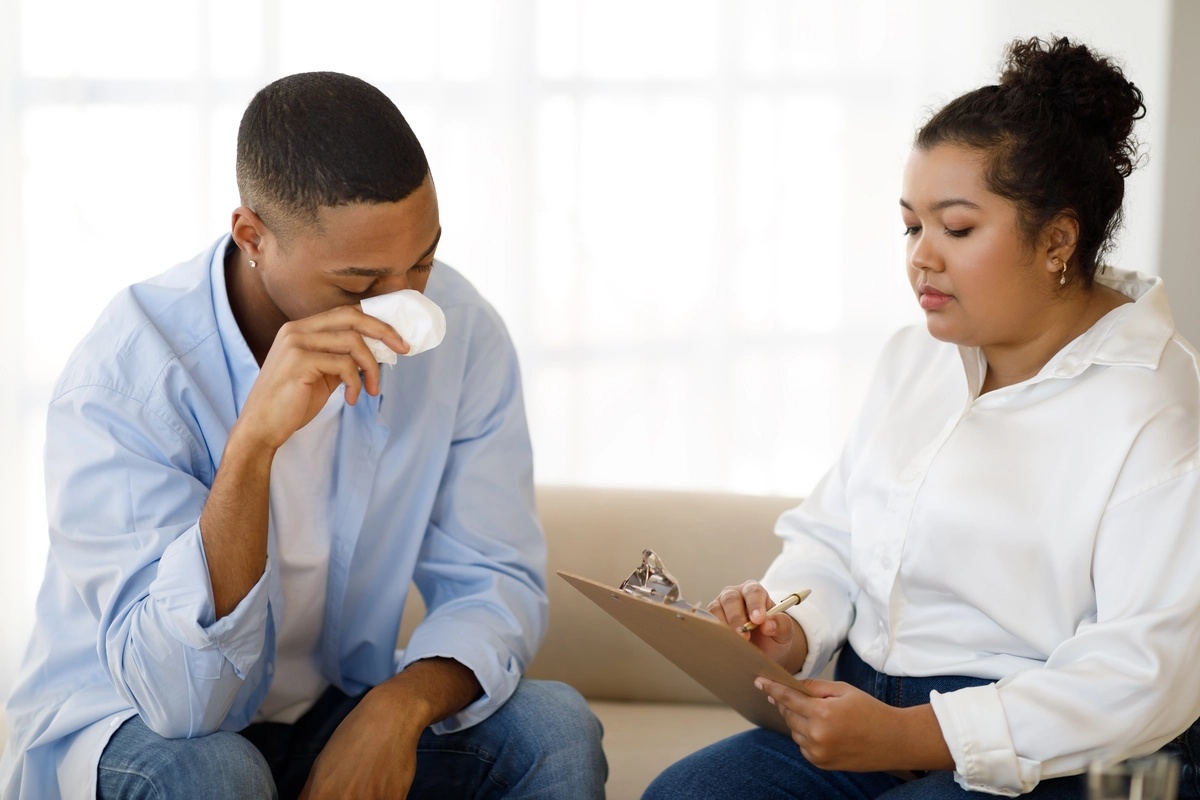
543, 743
764, 765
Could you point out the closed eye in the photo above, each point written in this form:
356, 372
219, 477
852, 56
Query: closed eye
958, 234
912, 230
353, 292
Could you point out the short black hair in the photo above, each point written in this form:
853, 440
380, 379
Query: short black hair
1058, 136
319, 139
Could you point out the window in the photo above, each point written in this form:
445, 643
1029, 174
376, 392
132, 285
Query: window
685, 210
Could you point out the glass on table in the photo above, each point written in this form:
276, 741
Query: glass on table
1152, 777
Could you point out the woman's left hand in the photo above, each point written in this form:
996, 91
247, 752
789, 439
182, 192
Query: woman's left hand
839, 727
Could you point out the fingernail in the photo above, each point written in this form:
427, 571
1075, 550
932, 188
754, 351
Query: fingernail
758, 684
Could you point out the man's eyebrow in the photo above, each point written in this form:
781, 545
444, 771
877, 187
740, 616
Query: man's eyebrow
382, 272
944, 204
361, 272
437, 238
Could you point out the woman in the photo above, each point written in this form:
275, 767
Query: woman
1007, 547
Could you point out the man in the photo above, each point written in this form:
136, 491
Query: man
239, 496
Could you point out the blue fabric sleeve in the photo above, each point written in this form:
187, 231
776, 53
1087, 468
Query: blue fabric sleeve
481, 569
125, 487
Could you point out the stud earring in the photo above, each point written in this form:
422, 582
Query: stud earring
253, 264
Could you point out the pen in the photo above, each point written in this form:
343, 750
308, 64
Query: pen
783, 605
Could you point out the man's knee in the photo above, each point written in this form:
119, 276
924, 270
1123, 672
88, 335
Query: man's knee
556, 714
549, 743
138, 763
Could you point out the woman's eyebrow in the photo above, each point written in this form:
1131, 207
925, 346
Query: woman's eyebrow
944, 204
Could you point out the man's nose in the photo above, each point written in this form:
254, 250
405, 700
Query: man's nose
393, 283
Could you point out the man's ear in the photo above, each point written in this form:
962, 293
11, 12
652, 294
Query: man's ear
1058, 241
248, 232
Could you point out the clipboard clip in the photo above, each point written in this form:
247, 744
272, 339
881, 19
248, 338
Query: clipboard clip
651, 581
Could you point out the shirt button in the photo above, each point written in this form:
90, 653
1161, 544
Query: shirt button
115, 722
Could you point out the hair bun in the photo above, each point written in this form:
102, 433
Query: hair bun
1090, 88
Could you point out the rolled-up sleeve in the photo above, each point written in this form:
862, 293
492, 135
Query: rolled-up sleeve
125, 488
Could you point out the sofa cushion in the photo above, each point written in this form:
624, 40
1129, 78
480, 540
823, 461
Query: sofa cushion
643, 739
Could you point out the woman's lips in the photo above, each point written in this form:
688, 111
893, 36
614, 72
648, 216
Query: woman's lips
932, 299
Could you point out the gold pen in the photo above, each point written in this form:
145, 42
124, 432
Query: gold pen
783, 605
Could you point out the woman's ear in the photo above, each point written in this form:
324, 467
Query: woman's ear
1058, 240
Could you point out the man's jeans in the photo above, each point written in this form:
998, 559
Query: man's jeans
765, 765
543, 743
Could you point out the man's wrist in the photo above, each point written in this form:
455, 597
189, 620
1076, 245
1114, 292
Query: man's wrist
429, 690
244, 446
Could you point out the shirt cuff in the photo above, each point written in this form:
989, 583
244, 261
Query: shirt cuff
476, 648
819, 634
183, 591
813, 620
976, 730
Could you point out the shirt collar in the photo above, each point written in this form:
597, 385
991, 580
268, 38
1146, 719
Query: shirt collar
1133, 334
243, 368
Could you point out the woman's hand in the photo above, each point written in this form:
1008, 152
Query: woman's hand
778, 636
839, 727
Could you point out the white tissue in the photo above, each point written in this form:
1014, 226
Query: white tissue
415, 317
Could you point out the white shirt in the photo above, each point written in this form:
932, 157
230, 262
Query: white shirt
301, 485
1045, 534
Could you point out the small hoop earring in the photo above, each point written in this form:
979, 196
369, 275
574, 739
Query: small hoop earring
253, 264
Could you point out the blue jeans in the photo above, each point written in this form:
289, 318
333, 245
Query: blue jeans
543, 743
764, 765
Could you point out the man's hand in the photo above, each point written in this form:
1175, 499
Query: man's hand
373, 753
839, 727
778, 636
308, 360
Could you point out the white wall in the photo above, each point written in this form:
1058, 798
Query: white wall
1180, 206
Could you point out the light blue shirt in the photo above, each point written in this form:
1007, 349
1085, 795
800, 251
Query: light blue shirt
432, 484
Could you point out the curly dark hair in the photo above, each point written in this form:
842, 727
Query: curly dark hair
323, 139
1058, 134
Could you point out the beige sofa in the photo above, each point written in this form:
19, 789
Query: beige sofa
653, 714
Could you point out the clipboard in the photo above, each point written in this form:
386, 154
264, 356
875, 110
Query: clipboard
711, 653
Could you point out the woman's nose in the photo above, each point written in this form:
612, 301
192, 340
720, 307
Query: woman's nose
921, 254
